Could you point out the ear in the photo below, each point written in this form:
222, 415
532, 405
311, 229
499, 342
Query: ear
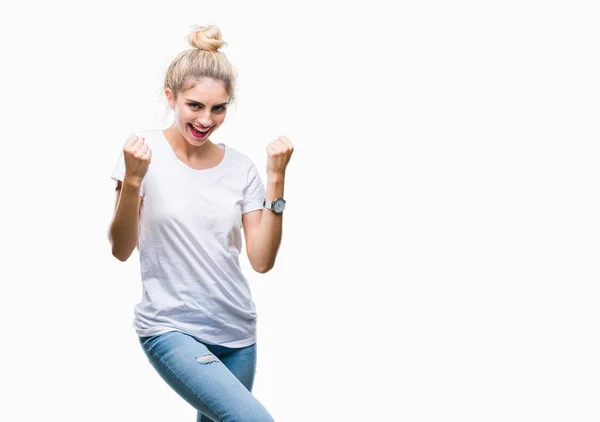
170, 98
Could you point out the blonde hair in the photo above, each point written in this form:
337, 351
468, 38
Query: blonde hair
202, 61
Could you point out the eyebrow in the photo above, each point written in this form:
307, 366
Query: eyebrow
198, 102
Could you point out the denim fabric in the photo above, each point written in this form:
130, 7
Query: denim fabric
215, 380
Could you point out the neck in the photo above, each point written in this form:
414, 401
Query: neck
181, 145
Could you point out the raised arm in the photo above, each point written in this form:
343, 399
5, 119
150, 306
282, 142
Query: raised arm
123, 231
263, 228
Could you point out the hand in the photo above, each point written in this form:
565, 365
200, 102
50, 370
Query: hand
279, 153
137, 158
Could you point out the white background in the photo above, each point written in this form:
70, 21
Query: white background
440, 251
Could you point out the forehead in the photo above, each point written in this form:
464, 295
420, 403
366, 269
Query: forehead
205, 91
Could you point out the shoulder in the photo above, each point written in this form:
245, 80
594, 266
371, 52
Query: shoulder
238, 159
242, 168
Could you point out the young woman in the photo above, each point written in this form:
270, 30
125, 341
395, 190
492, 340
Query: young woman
183, 201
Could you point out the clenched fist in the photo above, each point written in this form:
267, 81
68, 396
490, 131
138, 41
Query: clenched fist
137, 158
279, 153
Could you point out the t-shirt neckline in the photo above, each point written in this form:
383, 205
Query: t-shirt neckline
219, 144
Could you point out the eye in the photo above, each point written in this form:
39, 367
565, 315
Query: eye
219, 109
194, 106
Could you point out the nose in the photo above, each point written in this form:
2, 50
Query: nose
204, 119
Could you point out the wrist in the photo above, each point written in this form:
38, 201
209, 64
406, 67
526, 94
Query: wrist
275, 177
132, 182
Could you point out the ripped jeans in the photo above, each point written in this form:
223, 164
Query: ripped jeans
215, 380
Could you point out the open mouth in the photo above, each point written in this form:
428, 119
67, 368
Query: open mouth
199, 133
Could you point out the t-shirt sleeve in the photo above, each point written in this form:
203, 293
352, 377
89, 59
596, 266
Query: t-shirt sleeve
118, 172
254, 193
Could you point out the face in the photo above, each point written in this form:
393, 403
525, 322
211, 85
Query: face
199, 110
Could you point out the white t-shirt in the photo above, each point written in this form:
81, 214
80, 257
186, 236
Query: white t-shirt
189, 242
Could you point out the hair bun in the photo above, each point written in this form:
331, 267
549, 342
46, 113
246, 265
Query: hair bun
206, 38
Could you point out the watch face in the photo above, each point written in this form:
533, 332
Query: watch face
279, 205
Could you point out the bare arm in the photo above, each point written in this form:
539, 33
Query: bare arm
123, 231
263, 228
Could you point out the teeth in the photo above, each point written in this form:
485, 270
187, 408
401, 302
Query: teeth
200, 130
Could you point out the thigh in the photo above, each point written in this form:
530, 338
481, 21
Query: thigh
199, 377
242, 364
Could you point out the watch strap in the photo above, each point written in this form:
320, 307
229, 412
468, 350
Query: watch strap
270, 205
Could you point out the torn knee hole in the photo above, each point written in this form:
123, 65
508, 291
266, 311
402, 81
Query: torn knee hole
205, 359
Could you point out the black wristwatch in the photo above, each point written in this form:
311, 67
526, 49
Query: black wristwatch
277, 206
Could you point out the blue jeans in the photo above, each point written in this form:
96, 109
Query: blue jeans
215, 380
